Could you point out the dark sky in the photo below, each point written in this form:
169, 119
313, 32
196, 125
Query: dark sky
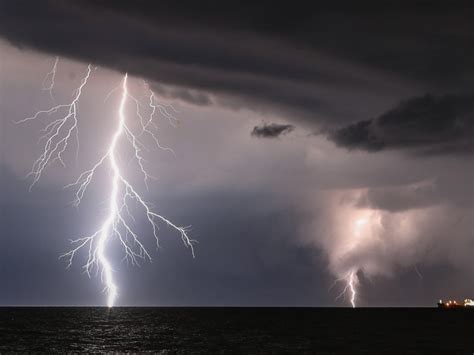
314, 140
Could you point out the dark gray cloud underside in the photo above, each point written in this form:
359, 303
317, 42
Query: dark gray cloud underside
426, 124
268, 56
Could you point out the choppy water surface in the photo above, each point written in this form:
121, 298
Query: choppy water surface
261, 330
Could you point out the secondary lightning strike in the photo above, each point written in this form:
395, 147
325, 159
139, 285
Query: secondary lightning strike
351, 281
118, 222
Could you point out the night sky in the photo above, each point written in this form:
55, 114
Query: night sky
313, 140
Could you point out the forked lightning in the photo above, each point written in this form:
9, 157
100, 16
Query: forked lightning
351, 282
119, 220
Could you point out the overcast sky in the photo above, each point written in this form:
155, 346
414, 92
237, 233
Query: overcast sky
313, 141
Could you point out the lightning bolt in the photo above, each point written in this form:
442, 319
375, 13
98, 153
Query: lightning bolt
48, 81
350, 281
119, 220
58, 132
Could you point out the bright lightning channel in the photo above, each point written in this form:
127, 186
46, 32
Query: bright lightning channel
351, 284
117, 223
351, 281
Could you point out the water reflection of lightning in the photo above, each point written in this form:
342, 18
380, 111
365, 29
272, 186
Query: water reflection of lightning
118, 221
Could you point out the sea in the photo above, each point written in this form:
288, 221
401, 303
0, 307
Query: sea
236, 330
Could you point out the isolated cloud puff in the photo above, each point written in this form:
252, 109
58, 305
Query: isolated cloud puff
271, 130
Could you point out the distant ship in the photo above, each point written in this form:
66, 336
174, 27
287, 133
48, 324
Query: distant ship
468, 303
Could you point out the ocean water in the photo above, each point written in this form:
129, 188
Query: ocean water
237, 330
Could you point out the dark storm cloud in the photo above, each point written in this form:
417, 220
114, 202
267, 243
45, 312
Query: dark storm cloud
427, 124
296, 60
271, 130
192, 96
